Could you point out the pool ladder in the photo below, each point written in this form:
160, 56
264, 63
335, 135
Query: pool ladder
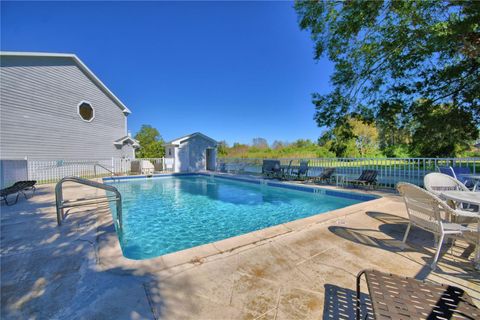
63, 204
112, 173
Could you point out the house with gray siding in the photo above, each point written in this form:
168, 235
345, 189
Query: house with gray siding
192, 153
53, 107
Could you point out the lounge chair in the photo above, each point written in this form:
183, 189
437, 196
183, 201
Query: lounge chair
287, 171
271, 168
459, 174
17, 188
222, 167
277, 170
326, 175
301, 172
446, 170
428, 212
397, 297
367, 178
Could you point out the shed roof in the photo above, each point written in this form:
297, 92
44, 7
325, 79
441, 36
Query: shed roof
188, 137
79, 63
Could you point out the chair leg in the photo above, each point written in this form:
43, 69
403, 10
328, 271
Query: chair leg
437, 254
404, 241
477, 257
358, 305
10, 204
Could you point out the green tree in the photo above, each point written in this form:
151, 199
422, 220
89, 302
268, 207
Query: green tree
298, 149
352, 138
151, 143
303, 143
390, 54
365, 137
393, 124
222, 148
260, 143
441, 130
339, 140
277, 144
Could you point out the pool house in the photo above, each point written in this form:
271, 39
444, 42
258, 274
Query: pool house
192, 153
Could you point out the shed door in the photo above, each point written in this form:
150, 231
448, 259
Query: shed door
183, 158
210, 159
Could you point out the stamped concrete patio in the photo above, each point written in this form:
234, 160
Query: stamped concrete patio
300, 270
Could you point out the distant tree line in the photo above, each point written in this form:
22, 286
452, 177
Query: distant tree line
279, 149
355, 139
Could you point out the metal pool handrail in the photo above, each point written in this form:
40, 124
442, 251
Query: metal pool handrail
103, 167
61, 204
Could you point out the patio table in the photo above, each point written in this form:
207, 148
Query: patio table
462, 196
397, 297
473, 177
340, 179
469, 198
284, 170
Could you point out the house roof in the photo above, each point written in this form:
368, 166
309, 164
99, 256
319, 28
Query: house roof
189, 136
122, 140
79, 63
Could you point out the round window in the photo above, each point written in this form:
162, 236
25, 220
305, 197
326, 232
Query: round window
86, 112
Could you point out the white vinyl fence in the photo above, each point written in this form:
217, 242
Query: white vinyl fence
390, 170
45, 171
49, 171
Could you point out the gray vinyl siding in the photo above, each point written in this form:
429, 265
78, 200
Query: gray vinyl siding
38, 112
127, 151
197, 153
12, 171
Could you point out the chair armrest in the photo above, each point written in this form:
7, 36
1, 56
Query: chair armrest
468, 214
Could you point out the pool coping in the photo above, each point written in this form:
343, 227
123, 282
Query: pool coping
110, 255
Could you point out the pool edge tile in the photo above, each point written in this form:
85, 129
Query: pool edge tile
191, 255
232, 243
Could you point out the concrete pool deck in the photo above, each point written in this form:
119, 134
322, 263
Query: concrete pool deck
300, 270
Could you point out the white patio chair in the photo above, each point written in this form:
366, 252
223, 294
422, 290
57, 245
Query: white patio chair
428, 212
438, 182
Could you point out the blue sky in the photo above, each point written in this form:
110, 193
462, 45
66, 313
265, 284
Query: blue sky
232, 70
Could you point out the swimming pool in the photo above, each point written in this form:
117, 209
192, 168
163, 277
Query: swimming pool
168, 214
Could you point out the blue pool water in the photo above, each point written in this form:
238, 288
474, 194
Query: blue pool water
168, 214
